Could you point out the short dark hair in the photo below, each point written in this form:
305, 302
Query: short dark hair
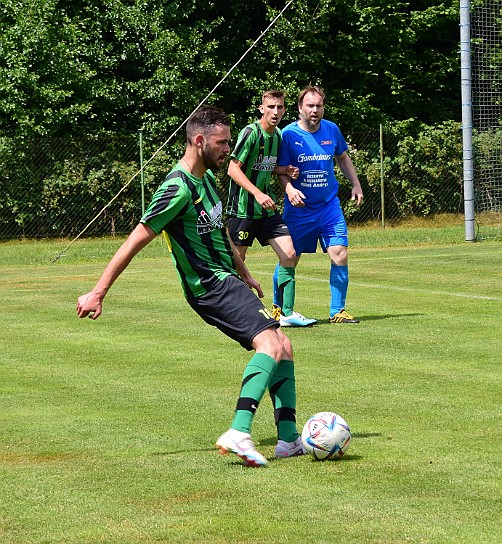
272, 93
204, 119
316, 89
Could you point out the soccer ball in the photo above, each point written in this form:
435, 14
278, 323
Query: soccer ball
326, 435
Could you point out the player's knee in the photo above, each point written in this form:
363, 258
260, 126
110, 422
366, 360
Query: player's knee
288, 261
271, 342
339, 255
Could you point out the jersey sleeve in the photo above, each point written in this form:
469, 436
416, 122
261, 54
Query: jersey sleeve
340, 143
168, 202
245, 141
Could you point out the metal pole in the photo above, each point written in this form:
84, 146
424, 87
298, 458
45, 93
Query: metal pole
468, 162
142, 174
382, 190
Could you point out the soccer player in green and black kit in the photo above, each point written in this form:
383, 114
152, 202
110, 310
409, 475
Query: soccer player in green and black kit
251, 208
216, 283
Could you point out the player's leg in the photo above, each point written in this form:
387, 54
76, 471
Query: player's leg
250, 324
338, 278
282, 389
284, 283
255, 381
284, 274
272, 233
334, 240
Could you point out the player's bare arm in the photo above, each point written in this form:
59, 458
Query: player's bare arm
90, 304
244, 272
236, 173
347, 167
292, 171
295, 196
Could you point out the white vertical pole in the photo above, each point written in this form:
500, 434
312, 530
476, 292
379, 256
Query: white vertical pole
142, 177
382, 188
468, 161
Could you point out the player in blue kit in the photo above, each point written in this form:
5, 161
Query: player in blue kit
312, 208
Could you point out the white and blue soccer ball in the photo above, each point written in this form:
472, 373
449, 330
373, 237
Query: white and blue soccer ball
326, 435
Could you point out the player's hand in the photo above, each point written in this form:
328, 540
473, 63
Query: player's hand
292, 171
253, 284
89, 305
265, 201
357, 196
296, 197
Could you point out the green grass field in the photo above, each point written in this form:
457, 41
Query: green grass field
107, 428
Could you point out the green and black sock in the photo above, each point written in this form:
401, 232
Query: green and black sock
282, 389
254, 384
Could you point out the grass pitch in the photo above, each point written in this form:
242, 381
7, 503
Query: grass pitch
107, 428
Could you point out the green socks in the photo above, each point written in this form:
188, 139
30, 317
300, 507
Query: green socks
254, 384
282, 389
286, 284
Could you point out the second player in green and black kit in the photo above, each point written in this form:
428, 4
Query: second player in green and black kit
251, 207
257, 150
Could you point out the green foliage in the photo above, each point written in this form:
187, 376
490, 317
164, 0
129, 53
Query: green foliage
85, 69
57, 186
487, 150
49, 184
422, 171
429, 171
114, 65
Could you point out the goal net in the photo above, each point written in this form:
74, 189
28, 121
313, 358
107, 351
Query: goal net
486, 58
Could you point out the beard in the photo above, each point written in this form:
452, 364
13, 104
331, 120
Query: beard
310, 123
211, 162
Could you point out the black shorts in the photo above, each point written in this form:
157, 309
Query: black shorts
235, 310
244, 231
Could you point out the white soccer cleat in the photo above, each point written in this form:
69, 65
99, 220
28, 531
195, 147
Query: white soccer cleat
296, 320
289, 449
242, 445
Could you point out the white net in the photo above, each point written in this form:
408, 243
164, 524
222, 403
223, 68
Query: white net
486, 46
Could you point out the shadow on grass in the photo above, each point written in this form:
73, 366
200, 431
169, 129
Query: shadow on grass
367, 318
265, 442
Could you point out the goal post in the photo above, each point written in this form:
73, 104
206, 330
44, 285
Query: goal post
481, 81
467, 128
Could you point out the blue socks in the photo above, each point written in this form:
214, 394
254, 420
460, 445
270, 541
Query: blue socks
338, 284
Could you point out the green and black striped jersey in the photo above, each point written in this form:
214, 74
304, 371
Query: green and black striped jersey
189, 211
257, 151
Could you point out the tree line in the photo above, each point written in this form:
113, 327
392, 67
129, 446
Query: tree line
111, 66
75, 71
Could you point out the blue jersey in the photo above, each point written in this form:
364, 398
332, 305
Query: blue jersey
313, 154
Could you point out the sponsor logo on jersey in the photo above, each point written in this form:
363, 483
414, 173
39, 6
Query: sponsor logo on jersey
307, 158
326, 142
210, 220
265, 164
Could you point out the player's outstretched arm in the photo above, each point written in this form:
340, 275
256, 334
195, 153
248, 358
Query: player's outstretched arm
90, 304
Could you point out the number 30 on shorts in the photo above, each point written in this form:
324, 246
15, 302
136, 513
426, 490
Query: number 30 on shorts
243, 235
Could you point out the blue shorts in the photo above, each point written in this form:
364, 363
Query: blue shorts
325, 225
